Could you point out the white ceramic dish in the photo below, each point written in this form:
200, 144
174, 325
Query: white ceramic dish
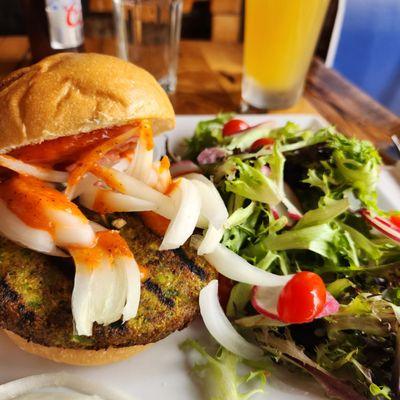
162, 372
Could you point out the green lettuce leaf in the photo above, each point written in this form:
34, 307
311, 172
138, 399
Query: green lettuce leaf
243, 141
314, 238
207, 134
219, 376
324, 214
276, 162
252, 184
238, 300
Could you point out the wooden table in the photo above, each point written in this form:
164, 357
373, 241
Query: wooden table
209, 81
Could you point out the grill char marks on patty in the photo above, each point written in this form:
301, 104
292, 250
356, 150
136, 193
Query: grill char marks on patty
35, 293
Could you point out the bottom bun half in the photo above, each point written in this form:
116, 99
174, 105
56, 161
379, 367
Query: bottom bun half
76, 356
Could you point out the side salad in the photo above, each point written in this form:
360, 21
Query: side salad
308, 262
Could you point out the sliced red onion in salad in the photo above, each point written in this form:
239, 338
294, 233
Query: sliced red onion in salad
220, 327
211, 155
383, 225
183, 167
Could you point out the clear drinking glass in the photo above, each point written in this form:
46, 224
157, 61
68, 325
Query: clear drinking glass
279, 41
148, 33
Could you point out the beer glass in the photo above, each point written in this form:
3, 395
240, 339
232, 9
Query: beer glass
148, 33
279, 41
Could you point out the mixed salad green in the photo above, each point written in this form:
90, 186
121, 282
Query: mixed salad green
300, 200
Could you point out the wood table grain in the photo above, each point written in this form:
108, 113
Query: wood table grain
209, 80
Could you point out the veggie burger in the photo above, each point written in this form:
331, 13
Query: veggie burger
94, 263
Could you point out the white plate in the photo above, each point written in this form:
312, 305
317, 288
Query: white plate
161, 372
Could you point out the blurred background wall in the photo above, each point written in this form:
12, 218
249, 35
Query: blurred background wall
368, 43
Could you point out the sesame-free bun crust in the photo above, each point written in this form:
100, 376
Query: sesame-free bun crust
76, 356
70, 93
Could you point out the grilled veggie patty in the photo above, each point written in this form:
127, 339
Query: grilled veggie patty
35, 293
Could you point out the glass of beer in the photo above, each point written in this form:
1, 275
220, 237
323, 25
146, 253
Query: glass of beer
279, 41
148, 34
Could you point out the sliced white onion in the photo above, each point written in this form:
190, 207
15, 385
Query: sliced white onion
97, 227
71, 230
213, 207
19, 387
45, 174
162, 175
219, 326
122, 165
136, 188
17, 231
142, 161
184, 223
210, 240
104, 292
132, 273
231, 265
114, 202
86, 182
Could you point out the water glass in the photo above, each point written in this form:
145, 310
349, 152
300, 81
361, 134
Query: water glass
148, 33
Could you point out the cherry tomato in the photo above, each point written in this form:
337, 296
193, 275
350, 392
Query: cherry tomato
234, 126
263, 142
225, 286
395, 219
302, 298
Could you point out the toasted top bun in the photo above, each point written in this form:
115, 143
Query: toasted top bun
71, 93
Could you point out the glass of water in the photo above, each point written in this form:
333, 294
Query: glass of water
148, 33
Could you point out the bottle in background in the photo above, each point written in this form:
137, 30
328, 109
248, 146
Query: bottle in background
53, 26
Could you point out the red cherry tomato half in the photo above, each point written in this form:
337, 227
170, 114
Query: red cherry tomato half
234, 126
302, 298
263, 142
225, 286
395, 219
